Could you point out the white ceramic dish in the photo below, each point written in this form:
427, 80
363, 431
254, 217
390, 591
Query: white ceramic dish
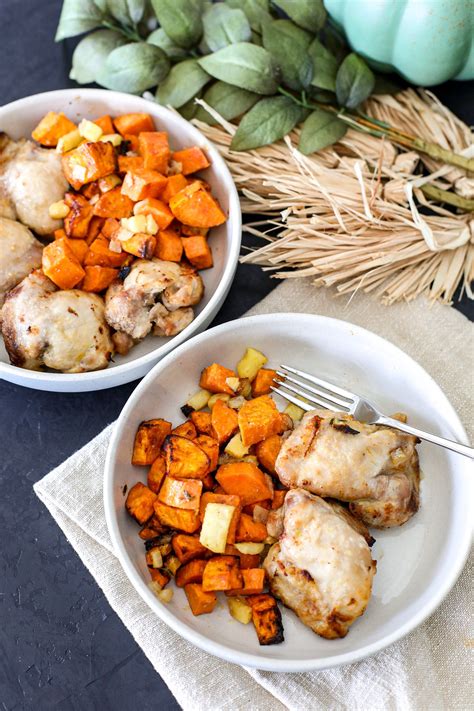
18, 120
417, 564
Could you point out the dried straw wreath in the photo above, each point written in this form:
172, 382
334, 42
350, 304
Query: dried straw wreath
349, 215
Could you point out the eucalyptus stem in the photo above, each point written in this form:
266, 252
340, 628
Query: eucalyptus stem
127, 32
440, 195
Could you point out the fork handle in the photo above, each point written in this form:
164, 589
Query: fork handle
464, 449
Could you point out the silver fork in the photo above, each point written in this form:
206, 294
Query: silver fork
333, 397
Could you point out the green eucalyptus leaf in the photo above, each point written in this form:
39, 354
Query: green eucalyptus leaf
181, 20
78, 16
160, 39
127, 12
309, 14
91, 53
189, 109
224, 25
182, 83
245, 65
321, 129
230, 101
288, 45
354, 81
321, 95
268, 121
256, 11
324, 66
134, 68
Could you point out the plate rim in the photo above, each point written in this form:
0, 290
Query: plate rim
222, 650
38, 379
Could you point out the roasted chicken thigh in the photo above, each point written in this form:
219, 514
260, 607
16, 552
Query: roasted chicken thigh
20, 253
62, 330
31, 179
134, 307
375, 469
321, 567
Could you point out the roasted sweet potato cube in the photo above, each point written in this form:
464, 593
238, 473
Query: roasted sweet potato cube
267, 452
148, 440
61, 265
154, 148
266, 617
88, 162
200, 602
169, 246
149, 531
221, 573
259, 419
190, 573
185, 459
187, 231
263, 381
181, 519
51, 128
158, 209
197, 251
213, 378
208, 482
248, 560
191, 159
110, 227
211, 447
91, 189
279, 498
202, 422
140, 245
244, 479
224, 421
99, 254
114, 204
140, 183
156, 473
134, 124
98, 278
254, 582
129, 163
186, 429
76, 223
105, 123
174, 184
95, 227
196, 207
78, 246
139, 503
181, 493
188, 548
210, 497
250, 531
159, 576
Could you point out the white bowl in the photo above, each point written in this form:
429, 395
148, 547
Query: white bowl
417, 564
18, 120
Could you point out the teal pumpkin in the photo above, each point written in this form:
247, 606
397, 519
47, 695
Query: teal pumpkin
426, 41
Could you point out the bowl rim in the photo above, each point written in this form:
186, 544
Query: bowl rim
222, 650
33, 377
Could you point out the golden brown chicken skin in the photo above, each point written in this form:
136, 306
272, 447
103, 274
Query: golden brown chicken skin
321, 567
375, 469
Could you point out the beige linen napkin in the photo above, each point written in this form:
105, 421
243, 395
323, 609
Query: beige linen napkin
429, 669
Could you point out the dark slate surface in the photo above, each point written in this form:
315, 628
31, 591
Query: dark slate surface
61, 646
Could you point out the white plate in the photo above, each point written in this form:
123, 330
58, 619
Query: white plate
417, 564
18, 120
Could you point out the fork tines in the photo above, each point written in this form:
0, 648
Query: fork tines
327, 395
